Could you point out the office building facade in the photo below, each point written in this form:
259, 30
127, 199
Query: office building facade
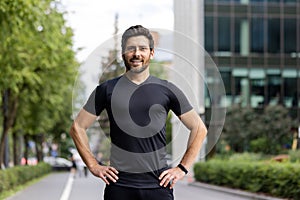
256, 46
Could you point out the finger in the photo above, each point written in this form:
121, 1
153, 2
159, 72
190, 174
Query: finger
113, 175
168, 181
104, 179
174, 181
163, 174
165, 181
108, 176
114, 170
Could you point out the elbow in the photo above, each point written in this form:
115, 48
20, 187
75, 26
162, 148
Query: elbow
73, 130
204, 130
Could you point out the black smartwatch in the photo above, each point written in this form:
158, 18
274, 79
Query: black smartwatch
182, 168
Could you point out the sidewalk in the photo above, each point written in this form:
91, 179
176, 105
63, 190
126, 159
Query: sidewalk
190, 180
53, 184
62, 186
234, 191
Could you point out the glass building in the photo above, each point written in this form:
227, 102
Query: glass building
256, 46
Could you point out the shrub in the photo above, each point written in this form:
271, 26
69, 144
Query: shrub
294, 155
246, 157
277, 179
12, 177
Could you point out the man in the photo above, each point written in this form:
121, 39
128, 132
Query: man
137, 105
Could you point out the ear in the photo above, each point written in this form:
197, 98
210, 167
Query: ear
152, 54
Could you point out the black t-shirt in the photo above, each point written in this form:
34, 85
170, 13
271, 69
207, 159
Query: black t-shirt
137, 115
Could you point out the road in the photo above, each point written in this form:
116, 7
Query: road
61, 186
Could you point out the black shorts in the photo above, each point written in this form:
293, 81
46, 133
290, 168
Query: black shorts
115, 192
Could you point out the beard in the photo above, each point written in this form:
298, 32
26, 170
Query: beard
135, 69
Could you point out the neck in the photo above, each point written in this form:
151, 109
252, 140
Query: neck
137, 78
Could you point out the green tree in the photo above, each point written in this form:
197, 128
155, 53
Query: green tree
267, 131
38, 67
237, 129
272, 130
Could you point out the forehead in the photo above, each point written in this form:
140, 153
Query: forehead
140, 40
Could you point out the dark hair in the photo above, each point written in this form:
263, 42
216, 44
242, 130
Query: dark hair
136, 31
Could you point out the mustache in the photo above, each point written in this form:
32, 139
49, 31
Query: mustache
135, 59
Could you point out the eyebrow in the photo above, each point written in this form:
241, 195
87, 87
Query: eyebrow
140, 46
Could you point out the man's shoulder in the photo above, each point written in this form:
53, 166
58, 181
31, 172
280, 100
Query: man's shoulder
109, 82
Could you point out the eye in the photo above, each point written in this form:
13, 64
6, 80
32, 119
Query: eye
130, 48
143, 48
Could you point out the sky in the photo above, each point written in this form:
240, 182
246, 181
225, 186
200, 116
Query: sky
93, 20
93, 24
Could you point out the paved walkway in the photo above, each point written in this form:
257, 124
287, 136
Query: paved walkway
62, 186
49, 188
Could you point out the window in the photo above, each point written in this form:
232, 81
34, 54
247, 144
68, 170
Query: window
289, 1
209, 34
290, 35
274, 84
257, 78
224, 34
273, 36
290, 87
226, 76
241, 86
257, 35
274, 1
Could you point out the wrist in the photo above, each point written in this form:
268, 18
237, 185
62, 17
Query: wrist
180, 166
92, 164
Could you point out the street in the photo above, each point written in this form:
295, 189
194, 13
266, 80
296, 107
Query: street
61, 186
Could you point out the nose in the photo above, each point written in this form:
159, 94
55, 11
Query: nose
137, 51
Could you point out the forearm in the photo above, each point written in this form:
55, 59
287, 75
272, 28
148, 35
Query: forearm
80, 139
196, 138
197, 135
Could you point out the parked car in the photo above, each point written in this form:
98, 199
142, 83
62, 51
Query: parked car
58, 163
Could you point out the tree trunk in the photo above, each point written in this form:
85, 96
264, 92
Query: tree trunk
38, 147
9, 109
16, 148
26, 139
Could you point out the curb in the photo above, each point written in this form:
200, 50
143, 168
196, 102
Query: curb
234, 191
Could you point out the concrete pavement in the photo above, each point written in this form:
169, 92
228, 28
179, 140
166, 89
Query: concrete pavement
62, 186
49, 188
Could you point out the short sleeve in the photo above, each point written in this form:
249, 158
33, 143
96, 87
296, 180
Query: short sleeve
96, 101
90, 104
179, 102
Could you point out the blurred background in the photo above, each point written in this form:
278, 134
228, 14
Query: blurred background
45, 78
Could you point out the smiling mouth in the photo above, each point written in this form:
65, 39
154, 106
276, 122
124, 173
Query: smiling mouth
136, 62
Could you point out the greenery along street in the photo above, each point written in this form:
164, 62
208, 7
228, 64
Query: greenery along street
38, 69
270, 131
37, 73
256, 152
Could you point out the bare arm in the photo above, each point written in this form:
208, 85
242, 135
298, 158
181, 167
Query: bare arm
197, 135
78, 133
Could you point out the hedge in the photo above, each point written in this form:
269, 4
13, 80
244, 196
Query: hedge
15, 176
273, 178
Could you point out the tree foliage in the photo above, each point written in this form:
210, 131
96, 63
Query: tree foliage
267, 131
38, 68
